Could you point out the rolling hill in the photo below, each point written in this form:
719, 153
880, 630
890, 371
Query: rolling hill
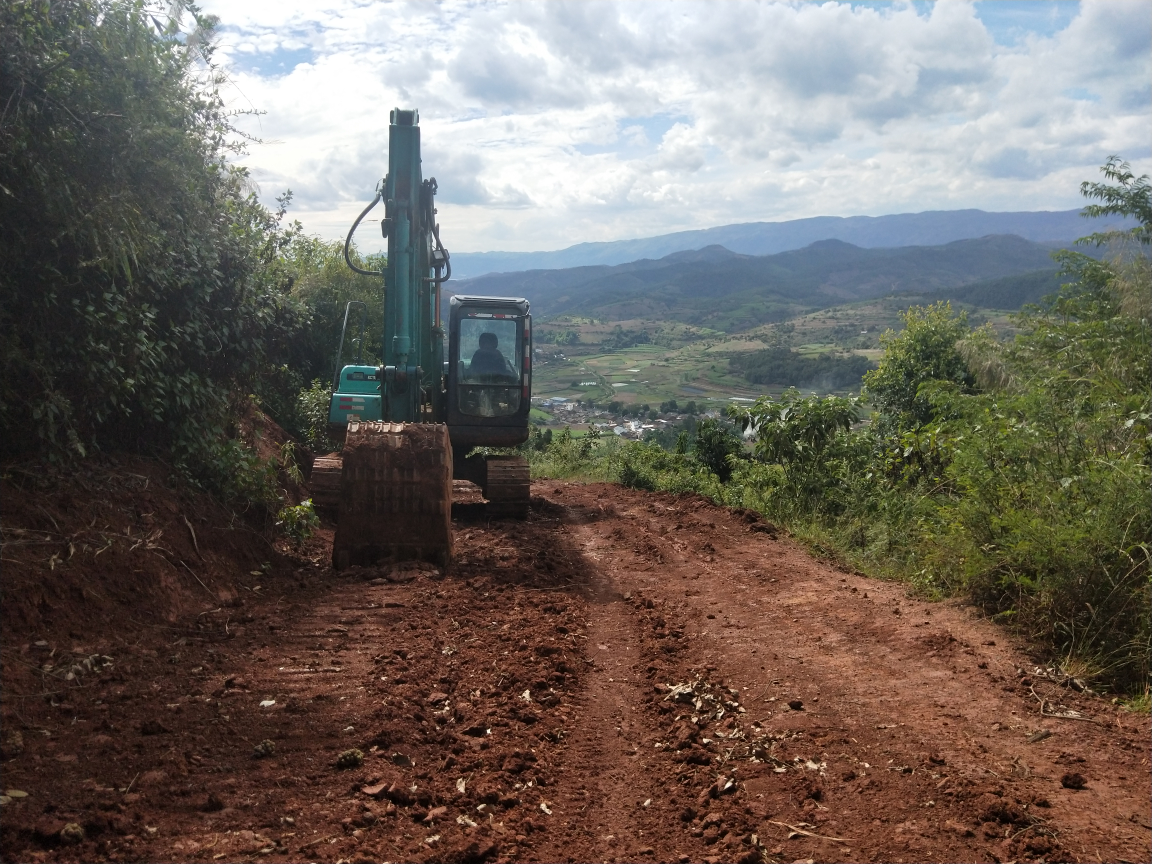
725, 290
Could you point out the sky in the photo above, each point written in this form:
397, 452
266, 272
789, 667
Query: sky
553, 123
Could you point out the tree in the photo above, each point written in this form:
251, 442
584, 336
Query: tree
141, 290
1130, 197
715, 447
795, 429
924, 351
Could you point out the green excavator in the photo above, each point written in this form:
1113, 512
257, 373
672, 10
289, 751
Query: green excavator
409, 424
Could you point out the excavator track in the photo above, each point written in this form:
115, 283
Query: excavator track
395, 495
324, 483
508, 486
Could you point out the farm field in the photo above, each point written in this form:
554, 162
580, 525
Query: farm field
682, 362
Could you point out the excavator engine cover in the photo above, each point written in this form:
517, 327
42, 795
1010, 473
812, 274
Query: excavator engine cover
395, 495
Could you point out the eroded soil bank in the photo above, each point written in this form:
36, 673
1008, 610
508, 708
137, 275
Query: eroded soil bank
625, 676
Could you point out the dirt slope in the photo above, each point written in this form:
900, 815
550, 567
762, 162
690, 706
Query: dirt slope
610, 680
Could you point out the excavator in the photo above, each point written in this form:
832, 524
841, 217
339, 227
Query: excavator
410, 425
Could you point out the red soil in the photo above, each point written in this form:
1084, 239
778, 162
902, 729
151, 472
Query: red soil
609, 680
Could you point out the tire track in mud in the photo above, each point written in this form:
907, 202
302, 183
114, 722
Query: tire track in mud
623, 809
917, 719
617, 649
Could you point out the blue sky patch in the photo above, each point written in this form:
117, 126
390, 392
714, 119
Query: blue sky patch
1010, 21
272, 64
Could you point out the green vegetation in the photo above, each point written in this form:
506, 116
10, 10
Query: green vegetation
926, 350
1015, 472
298, 521
140, 295
784, 367
148, 301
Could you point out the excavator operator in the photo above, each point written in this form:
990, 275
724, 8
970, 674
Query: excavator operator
488, 364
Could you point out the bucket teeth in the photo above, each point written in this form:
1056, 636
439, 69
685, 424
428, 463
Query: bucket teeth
395, 495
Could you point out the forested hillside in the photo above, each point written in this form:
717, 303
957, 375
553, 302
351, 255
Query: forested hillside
723, 290
148, 301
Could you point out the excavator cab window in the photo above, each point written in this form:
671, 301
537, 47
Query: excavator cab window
489, 365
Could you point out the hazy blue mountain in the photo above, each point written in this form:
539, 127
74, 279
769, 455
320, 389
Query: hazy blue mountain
719, 288
931, 228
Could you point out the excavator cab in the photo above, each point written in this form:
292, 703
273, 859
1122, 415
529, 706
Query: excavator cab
489, 389
489, 371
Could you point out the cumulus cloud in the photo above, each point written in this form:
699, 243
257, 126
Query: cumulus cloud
552, 123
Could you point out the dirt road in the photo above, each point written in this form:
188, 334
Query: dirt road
625, 676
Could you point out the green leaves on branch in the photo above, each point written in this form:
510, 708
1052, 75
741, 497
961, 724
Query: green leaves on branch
142, 295
925, 350
795, 429
1130, 196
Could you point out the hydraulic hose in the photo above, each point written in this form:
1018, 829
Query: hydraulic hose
348, 241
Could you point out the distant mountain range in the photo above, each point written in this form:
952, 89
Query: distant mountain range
931, 228
724, 290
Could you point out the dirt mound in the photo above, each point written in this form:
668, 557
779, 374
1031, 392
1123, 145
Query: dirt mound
120, 542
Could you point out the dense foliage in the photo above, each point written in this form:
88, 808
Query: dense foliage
140, 287
148, 301
1016, 473
784, 367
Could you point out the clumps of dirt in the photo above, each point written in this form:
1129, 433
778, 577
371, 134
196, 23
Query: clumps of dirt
1005, 819
117, 545
404, 571
453, 691
714, 747
1073, 780
755, 522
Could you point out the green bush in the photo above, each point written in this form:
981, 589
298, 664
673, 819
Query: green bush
716, 447
141, 293
1016, 473
312, 406
299, 521
925, 350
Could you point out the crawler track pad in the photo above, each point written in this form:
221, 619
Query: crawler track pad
508, 486
395, 495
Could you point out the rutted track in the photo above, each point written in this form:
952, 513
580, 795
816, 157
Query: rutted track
609, 680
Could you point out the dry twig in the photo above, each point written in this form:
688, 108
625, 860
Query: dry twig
810, 833
192, 531
1044, 713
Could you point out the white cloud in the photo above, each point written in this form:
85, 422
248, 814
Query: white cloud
552, 123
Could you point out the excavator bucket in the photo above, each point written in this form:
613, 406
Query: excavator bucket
395, 495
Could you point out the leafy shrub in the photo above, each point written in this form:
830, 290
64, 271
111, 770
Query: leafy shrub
140, 286
925, 350
312, 406
716, 447
298, 521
